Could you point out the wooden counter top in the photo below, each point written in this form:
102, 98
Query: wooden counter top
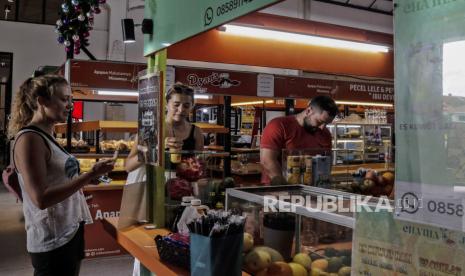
140, 243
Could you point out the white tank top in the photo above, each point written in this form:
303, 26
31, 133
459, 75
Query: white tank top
56, 225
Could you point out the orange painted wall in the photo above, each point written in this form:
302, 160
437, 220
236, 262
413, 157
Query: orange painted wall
216, 46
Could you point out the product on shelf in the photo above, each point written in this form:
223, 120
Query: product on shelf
331, 260
87, 163
191, 169
76, 145
369, 182
262, 260
178, 188
110, 146
294, 164
308, 170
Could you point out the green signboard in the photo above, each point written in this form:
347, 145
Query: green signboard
175, 20
430, 110
385, 246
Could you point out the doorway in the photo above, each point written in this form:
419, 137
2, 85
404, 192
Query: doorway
6, 72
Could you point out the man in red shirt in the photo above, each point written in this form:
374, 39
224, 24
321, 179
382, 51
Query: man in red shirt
306, 130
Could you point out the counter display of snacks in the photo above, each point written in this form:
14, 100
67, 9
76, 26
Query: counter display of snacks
287, 229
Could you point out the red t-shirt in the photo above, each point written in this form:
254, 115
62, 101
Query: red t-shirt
286, 133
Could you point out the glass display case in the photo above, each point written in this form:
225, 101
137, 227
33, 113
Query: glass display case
194, 173
321, 229
360, 143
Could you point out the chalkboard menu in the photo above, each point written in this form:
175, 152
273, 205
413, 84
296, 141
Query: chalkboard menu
149, 89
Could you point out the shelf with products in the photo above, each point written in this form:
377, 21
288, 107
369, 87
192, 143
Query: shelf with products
360, 142
106, 146
118, 175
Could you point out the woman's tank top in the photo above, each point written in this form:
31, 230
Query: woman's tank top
56, 225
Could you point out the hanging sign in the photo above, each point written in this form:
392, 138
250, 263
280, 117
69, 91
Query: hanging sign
104, 75
176, 20
340, 90
430, 103
149, 91
218, 82
265, 85
385, 246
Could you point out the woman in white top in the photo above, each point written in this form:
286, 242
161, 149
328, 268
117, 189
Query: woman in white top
54, 206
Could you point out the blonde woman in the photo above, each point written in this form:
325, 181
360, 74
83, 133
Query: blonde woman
54, 206
181, 134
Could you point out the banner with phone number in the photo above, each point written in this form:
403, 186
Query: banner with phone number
430, 112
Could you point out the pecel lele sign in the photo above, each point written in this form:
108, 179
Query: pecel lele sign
176, 20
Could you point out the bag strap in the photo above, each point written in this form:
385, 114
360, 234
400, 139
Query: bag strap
40, 132
48, 136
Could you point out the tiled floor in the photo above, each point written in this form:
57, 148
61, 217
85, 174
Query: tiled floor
14, 260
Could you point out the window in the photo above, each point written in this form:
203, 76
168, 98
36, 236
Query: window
31, 11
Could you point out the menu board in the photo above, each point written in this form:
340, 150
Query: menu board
385, 246
148, 124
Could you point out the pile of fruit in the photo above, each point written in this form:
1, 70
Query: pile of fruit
265, 261
370, 182
190, 169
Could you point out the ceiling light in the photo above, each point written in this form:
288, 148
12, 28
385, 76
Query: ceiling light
205, 110
202, 97
305, 39
253, 102
366, 104
117, 93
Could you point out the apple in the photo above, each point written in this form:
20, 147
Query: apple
298, 269
248, 242
257, 260
303, 259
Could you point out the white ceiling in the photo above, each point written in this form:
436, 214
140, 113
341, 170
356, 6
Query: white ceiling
359, 14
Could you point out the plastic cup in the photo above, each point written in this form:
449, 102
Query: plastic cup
175, 157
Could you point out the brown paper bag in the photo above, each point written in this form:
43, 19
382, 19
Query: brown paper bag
133, 204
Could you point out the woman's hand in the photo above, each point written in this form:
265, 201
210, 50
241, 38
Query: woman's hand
102, 167
173, 143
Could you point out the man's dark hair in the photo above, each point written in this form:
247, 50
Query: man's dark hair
325, 103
